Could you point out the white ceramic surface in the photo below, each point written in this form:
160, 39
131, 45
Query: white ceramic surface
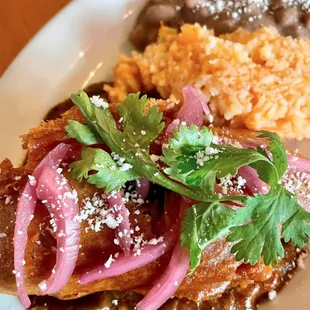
76, 48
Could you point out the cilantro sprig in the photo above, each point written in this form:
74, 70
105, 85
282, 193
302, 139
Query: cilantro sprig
261, 235
190, 165
108, 174
132, 143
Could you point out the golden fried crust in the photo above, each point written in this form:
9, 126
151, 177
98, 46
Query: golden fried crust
216, 272
40, 256
96, 248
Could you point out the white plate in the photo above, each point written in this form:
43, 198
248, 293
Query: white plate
78, 47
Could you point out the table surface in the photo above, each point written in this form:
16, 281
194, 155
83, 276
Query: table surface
20, 20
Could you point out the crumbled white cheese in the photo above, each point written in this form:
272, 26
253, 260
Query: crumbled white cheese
297, 183
240, 182
43, 286
32, 180
205, 155
99, 102
108, 263
176, 121
230, 183
210, 118
53, 223
138, 252
125, 167
116, 241
272, 295
300, 260
120, 161
3, 235
7, 200
97, 213
154, 158
155, 241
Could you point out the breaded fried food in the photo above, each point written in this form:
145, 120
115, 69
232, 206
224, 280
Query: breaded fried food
218, 272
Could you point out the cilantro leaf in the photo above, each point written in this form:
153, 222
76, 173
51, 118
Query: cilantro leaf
140, 126
263, 169
276, 148
296, 226
204, 223
170, 159
190, 140
99, 120
126, 142
180, 157
279, 159
187, 141
82, 133
131, 144
225, 160
257, 227
194, 160
106, 174
261, 236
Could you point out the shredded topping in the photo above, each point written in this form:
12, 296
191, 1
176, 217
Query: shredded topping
99, 102
230, 183
204, 156
97, 213
109, 262
297, 182
32, 180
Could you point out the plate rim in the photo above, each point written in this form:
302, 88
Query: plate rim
27, 48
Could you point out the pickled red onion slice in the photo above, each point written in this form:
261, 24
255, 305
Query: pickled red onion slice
143, 188
193, 107
169, 282
25, 213
191, 111
298, 163
123, 264
120, 211
253, 183
54, 191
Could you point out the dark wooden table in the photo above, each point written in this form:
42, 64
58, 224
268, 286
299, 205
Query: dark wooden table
20, 20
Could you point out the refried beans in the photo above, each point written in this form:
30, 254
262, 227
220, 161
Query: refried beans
290, 17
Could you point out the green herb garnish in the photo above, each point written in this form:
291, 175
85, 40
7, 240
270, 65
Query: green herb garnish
190, 165
262, 235
203, 224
